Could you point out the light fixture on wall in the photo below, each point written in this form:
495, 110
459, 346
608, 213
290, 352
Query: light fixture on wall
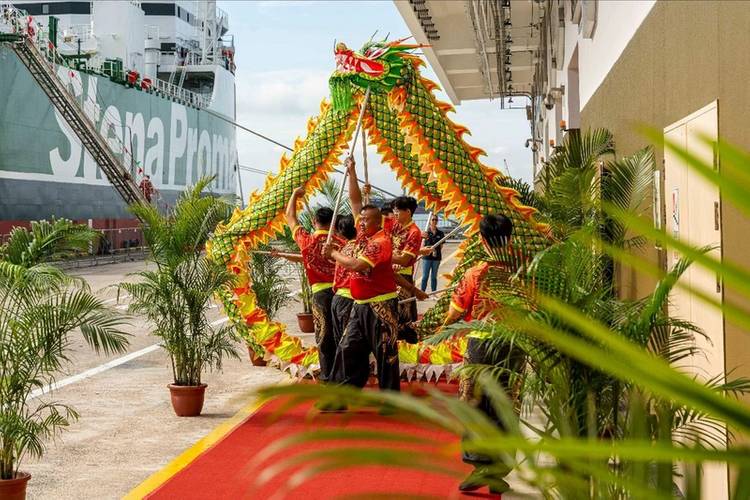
507, 61
508, 39
507, 24
507, 52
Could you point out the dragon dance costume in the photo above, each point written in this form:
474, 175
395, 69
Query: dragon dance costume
412, 133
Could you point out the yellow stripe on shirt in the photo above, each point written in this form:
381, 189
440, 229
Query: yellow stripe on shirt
377, 298
319, 287
362, 257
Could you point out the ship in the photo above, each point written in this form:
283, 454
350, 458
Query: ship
155, 79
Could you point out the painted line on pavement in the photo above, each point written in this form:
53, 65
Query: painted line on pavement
93, 371
103, 368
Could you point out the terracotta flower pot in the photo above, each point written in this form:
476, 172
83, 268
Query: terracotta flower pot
187, 400
255, 359
306, 323
14, 489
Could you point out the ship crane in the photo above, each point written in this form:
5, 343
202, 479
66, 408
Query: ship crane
21, 41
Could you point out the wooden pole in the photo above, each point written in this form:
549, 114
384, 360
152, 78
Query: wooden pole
279, 254
346, 172
412, 299
364, 163
442, 240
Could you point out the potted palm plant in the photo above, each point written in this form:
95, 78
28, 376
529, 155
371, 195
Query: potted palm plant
40, 307
305, 318
175, 297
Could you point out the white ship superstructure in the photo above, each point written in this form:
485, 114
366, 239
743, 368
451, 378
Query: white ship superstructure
156, 81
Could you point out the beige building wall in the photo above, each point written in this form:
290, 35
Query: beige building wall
684, 56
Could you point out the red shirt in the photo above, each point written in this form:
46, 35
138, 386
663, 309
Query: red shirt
377, 283
409, 241
319, 270
342, 275
470, 296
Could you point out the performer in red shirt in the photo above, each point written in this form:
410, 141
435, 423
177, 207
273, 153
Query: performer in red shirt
341, 306
407, 245
470, 301
319, 270
373, 323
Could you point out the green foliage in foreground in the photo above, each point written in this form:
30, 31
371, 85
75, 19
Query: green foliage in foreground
175, 297
608, 409
41, 307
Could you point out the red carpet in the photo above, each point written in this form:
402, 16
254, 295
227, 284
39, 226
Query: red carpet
230, 469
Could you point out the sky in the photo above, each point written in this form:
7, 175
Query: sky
284, 56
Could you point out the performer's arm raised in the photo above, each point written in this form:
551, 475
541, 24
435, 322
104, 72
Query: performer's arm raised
355, 194
291, 208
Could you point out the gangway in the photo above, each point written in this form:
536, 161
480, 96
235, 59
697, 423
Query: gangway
21, 41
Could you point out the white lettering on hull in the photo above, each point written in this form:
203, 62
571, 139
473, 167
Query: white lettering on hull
190, 152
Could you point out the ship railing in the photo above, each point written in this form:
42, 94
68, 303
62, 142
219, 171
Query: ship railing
82, 32
186, 96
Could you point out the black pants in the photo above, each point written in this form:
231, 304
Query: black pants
321, 302
407, 314
341, 309
478, 352
372, 328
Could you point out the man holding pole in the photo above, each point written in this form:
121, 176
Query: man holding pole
407, 243
373, 323
470, 301
319, 270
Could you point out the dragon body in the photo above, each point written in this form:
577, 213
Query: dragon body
411, 131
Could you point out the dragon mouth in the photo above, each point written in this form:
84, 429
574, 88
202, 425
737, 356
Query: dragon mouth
348, 64
345, 63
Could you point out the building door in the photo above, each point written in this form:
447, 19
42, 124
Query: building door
692, 215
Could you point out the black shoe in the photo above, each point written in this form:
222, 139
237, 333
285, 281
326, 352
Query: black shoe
499, 486
473, 481
326, 407
387, 410
485, 476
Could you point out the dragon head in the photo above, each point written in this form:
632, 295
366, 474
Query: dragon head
377, 65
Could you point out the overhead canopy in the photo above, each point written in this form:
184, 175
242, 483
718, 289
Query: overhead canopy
480, 49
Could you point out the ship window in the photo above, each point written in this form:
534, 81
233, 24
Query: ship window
158, 9
57, 8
